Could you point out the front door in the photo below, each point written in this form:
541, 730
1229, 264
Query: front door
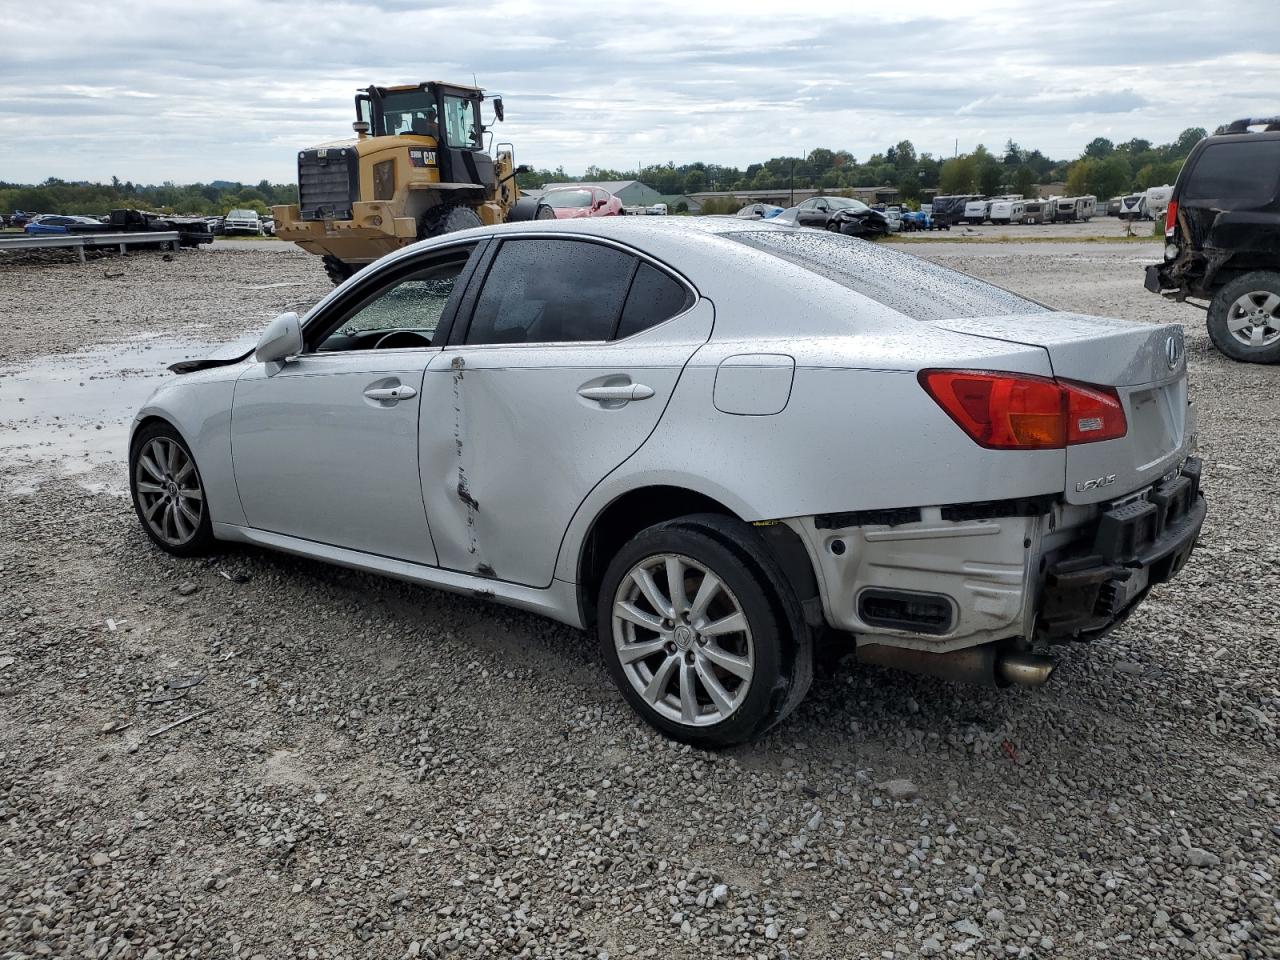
325, 446
571, 352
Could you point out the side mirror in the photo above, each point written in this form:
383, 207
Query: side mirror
497, 108
281, 339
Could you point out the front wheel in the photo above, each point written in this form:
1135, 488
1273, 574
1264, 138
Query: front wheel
1244, 318
690, 631
447, 219
168, 494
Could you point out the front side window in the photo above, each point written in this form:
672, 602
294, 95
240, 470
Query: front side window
404, 314
551, 291
461, 122
1243, 171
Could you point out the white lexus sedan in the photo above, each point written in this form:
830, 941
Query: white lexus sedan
711, 442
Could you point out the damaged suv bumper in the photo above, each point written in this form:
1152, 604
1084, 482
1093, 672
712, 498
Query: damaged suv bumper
942, 579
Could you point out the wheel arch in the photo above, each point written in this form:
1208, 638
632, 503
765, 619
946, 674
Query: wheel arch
641, 507
146, 420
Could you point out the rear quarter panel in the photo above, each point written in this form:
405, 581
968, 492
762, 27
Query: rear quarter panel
858, 432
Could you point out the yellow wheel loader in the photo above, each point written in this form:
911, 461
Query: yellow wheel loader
417, 168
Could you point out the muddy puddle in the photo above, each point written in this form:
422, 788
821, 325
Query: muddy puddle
69, 414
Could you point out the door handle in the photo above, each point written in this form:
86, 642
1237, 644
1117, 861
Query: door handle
402, 392
624, 391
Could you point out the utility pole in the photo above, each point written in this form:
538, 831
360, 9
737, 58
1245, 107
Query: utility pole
957, 153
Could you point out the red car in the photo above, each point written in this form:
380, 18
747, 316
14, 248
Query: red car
582, 202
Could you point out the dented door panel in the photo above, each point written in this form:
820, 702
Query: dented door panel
510, 446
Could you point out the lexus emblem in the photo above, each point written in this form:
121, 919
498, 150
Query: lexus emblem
1173, 351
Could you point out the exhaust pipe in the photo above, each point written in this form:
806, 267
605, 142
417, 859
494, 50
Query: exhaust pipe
1024, 669
983, 665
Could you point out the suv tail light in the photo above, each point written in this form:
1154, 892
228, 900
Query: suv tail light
1170, 217
1006, 411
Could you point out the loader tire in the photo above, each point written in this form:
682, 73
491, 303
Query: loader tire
336, 269
447, 219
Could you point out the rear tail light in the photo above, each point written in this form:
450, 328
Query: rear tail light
1170, 217
1004, 411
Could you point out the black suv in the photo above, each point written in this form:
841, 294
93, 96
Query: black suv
1222, 238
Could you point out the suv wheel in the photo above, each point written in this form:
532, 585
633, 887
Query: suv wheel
691, 630
1244, 318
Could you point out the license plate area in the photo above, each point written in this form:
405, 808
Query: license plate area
1127, 532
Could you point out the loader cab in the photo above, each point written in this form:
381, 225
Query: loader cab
448, 114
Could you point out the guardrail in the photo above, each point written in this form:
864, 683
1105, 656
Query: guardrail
80, 241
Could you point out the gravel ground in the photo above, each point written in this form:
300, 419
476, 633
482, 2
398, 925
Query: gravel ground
388, 771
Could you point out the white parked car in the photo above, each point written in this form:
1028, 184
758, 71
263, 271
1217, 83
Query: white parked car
702, 439
242, 221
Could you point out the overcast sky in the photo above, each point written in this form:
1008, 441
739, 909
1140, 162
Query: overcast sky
185, 90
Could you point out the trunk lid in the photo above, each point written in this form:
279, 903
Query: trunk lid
1146, 365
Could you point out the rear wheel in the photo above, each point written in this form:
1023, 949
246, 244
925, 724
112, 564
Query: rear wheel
691, 631
545, 212
1244, 318
447, 219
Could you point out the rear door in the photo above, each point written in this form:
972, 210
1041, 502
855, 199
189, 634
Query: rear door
569, 353
812, 213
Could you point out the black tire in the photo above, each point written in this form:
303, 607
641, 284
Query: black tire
1258, 288
198, 541
780, 649
545, 212
337, 270
447, 219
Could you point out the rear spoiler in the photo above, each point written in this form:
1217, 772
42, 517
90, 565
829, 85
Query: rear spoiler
1268, 124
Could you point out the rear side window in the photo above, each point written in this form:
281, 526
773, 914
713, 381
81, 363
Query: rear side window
654, 297
551, 291
1243, 171
910, 285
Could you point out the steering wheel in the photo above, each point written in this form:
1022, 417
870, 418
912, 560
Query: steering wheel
402, 338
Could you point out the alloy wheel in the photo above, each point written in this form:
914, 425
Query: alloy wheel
1254, 319
683, 640
168, 489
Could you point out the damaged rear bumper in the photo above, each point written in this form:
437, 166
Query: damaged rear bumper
942, 579
1137, 545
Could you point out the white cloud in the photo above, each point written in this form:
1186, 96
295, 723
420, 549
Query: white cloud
151, 90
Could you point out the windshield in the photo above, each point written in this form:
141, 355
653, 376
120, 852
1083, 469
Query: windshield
564, 199
242, 215
407, 111
905, 283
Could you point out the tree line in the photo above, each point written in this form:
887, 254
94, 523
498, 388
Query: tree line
1104, 169
92, 199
